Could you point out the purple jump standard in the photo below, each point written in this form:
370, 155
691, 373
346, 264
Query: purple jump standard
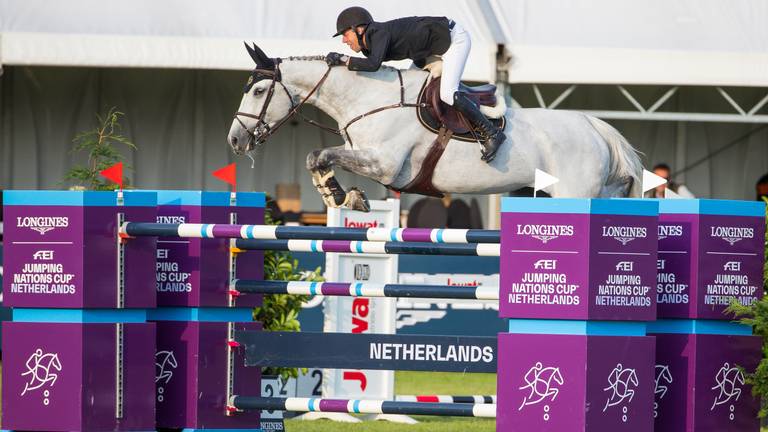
196, 367
710, 253
78, 355
577, 279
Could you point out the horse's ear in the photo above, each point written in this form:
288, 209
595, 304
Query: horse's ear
252, 53
265, 61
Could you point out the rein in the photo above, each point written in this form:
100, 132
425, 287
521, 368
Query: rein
276, 78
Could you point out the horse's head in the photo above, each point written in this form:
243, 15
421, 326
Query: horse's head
265, 103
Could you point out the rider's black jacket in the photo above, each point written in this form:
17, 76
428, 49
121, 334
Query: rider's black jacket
414, 38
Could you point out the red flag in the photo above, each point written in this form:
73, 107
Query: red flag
228, 174
114, 173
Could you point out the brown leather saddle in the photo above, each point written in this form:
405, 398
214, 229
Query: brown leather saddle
447, 123
433, 113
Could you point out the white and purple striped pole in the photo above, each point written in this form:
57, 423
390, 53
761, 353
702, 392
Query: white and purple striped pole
366, 289
371, 247
357, 406
279, 232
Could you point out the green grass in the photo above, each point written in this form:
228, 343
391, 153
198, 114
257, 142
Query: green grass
419, 383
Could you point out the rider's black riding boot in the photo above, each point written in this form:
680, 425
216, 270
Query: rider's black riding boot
491, 137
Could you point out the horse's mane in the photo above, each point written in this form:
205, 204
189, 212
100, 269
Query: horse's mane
322, 58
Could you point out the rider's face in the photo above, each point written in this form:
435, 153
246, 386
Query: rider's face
350, 39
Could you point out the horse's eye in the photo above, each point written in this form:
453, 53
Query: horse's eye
258, 91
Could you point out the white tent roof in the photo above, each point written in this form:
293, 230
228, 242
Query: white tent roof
686, 42
203, 33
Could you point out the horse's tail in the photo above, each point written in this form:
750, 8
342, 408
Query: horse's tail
626, 167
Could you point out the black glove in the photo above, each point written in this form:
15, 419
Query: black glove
336, 59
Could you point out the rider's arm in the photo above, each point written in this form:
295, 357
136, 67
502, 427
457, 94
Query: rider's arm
379, 44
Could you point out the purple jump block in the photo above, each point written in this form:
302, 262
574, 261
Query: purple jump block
578, 260
54, 240
194, 272
575, 383
700, 385
62, 377
191, 376
707, 259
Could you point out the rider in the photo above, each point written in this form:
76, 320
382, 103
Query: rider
416, 38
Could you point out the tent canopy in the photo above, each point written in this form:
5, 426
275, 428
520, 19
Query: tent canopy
680, 42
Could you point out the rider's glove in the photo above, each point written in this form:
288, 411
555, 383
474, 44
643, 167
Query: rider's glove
336, 59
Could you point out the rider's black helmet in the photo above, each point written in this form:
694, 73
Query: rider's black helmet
352, 17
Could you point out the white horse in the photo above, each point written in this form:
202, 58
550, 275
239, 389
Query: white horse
589, 156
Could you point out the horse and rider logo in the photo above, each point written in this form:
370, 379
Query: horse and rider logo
622, 383
165, 364
728, 382
542, 383
41, 368
663, 378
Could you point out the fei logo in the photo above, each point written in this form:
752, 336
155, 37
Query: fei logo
545, 264
732, 234
165, 364
545, 233
732, 266
624, 234
541, 382
40, 372
625, 266
728, 382
42, 224
622, 383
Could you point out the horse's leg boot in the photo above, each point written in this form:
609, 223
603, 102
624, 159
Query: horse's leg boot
356, 200
491, 137
329, 188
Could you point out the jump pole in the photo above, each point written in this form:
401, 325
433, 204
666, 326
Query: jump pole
279, 232
470, 399
369, 247
356, 406
363, 289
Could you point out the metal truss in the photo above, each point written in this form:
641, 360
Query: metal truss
741, 115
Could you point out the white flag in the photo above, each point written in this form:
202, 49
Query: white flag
542, 180
651, 181
670, 194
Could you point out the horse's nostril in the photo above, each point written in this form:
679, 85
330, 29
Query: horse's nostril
233, 141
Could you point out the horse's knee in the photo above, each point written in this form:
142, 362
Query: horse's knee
312, 159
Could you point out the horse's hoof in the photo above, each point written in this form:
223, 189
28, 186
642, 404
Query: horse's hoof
356, 200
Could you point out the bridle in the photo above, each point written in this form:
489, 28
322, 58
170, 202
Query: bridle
262, 131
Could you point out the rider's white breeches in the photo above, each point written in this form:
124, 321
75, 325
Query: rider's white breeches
453, 63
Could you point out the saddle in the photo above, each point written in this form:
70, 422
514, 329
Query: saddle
447, 123
433, 113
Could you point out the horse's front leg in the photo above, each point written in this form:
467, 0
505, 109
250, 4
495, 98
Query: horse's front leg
320, 164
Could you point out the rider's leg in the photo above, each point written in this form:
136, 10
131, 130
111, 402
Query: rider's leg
453, 63
453, 66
